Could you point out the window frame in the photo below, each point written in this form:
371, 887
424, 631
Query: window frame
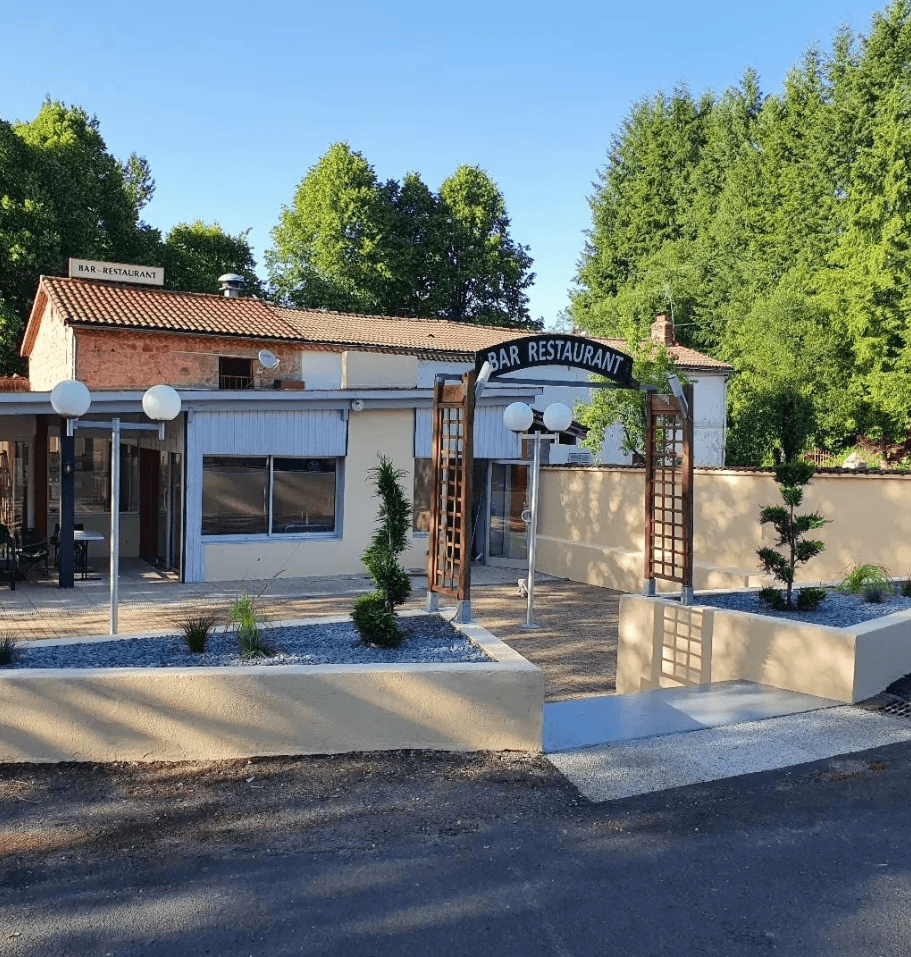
269, 535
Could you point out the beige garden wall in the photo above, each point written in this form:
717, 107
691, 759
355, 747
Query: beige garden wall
183, 714
663, 644
592, 521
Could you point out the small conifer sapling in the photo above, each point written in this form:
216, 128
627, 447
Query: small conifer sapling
792, 477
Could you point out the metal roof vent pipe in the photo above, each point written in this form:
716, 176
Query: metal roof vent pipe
232, 285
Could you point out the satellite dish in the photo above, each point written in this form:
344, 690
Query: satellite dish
268, 359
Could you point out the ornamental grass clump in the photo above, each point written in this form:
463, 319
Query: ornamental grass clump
870, 582
8, 644
791, 477
247, 624
374, 614
195, 632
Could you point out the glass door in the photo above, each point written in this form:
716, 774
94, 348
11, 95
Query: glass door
508, 538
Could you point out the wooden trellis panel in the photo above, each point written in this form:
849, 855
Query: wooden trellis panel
669, 492
449, 551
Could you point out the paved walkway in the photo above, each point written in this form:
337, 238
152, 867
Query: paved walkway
609, 746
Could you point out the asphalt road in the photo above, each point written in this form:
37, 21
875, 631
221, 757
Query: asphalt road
421, 853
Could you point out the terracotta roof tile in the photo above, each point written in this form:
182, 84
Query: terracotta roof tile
105, 304
458, 339
85, 302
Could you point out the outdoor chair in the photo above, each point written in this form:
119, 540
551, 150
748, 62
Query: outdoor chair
33, 555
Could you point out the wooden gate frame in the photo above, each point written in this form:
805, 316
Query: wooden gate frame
449, 546
669, 493
668, 476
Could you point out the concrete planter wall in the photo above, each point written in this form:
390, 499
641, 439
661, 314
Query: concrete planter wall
664, 645
177, 714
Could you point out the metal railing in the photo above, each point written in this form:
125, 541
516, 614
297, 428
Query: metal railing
235, 382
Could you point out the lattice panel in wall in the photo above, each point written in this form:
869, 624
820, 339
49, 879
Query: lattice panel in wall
668, 492
449, 551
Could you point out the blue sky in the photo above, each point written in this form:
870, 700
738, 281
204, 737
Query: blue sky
232, 103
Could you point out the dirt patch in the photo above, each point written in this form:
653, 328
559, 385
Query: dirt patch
79, 811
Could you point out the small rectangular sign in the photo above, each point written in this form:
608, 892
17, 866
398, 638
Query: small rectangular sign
116, 272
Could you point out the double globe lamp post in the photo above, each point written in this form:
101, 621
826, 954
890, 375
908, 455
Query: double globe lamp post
71, 400
518, 417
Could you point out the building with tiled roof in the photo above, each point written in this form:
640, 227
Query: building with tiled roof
283, 413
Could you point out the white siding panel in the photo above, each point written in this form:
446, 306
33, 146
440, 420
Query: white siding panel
272, 433
318, 433
492, 440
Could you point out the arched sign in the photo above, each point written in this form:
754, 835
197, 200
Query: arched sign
556, 349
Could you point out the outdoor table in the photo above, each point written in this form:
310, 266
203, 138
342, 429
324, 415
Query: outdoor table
81, 539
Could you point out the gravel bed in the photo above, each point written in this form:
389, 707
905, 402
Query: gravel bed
427, 638
837, 611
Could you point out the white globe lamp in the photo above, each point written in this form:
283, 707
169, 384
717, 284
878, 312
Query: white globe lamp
161, 403
557, 417
70, 399
518, 417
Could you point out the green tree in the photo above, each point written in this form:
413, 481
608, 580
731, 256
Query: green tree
792, 384
62, 194
484, 274
330, 246
195, 254
869, 284
351, 243
774, 230
642, 201
651, 366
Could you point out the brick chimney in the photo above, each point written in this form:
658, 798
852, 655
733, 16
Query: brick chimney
663, 331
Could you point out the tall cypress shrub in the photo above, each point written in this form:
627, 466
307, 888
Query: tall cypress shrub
374, 614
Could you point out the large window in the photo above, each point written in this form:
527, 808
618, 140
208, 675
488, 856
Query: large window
92, 477
261, 495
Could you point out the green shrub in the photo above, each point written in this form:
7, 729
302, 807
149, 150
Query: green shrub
195, 632
374, 622
810, 598
247, 622
374, 614
8, 645
772, 597
906, 589
861, 578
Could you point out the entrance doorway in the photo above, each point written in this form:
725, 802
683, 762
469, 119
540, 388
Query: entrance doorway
508, 497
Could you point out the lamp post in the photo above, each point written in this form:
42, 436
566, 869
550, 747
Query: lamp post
70, 399
518, 417
160, 403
